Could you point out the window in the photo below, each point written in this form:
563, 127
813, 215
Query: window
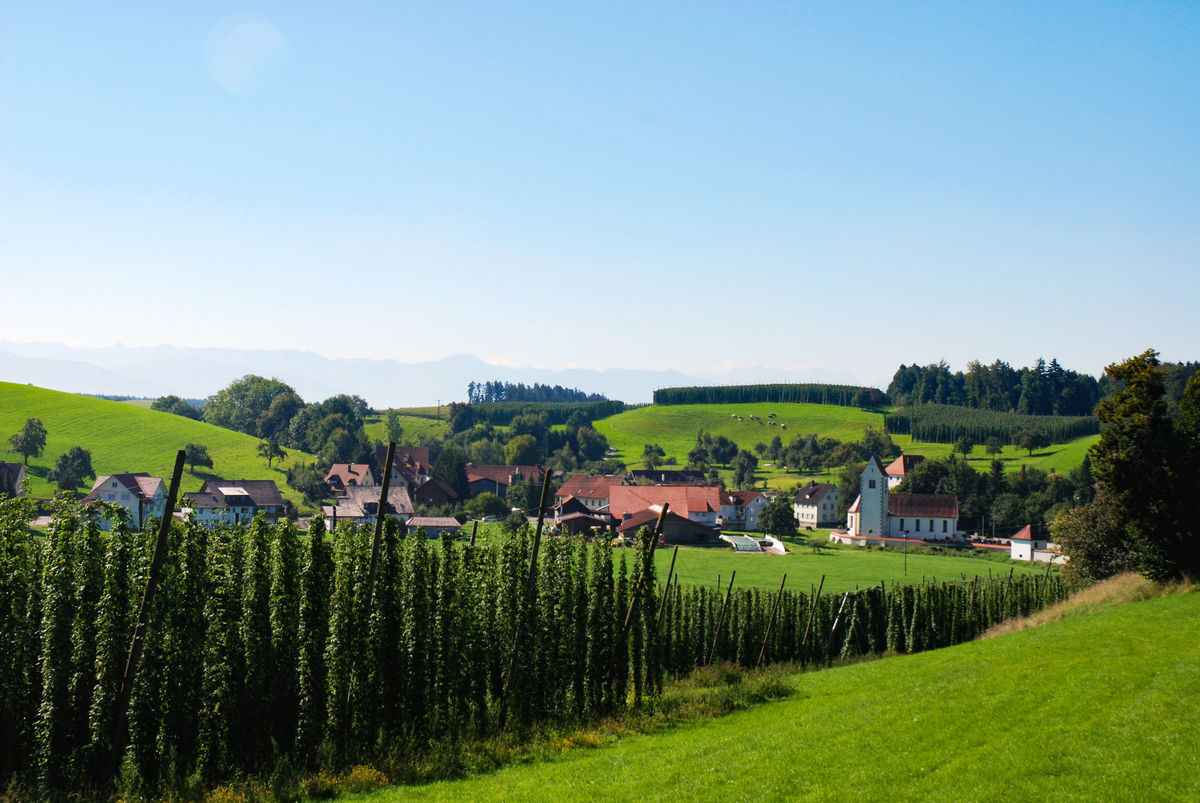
870, 483
931, 525
918, 523
901, 524
943, 525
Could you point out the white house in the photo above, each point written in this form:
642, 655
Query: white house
815, 505
877, 514
1027, 546
234, 501
140, 494
747, 509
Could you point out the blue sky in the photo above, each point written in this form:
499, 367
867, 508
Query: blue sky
690, 185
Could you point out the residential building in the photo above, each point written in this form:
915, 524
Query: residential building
746, 507
815, 505
900, 468
1027, 546
590, 489
141, 495
234, 501
433, 526
433, 493
11, 477
343, 475
496, 479
360, 505
701, 504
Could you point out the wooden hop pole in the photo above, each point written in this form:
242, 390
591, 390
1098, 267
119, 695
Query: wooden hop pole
533, 555
721, 620
143, 620
771, 621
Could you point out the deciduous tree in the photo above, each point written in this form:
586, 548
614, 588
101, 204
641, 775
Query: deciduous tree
30, 441
196, 454
71, 468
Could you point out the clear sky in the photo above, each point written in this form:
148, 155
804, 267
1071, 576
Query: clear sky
683, 185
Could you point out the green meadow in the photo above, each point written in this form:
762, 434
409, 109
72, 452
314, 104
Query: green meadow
415, 426
845, 567
674, 427
125, 437
1101, 704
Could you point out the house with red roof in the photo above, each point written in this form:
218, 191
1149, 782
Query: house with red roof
344, 475
481, 478
590, 489
900, 468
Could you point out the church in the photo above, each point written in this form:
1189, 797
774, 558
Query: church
877, 514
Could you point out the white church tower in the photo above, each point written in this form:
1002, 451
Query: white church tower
873, 499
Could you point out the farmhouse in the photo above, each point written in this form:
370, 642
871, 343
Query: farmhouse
497, 478
676, 529
590, 489
877, 514
747, 506
410, 463
343, 475
140, 494
433, 493
11, 477
361, 505
234, 501
815, 505
699, 504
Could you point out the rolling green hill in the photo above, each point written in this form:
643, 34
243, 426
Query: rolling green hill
674, 428
124, 437
1100, 705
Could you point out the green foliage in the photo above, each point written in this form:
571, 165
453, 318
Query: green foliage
240, 405
1040, 390
196, 454
271, 451
486, 504
844, 395
1145, 464
941, 423
778, 517
502, 413
72, 468
523, 450
309, 480
652, 456
30, 441
177, 406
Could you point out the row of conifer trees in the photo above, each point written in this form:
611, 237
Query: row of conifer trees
267, 644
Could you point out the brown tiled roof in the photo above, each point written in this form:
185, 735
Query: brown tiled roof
343, 475
1025, 534
361, 501
683, 499
938, 506
902, 465
501, 474
259, 493
589, 486
139, 483
813, 493
648, 518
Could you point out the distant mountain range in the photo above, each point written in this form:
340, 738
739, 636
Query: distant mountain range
200, 372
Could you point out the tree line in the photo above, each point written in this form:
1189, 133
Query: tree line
782, 393
943, 423
497, 391
269, 648
500, 414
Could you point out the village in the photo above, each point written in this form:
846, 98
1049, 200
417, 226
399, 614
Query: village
698, 511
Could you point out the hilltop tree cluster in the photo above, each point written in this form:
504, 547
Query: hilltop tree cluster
497, 391
1040, 390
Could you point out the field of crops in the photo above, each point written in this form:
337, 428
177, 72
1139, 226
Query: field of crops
1099, 705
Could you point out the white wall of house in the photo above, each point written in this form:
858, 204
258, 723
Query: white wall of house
872, 518
922, 527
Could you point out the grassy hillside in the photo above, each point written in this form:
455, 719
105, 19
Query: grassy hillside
415, 426
124, 437
674, 428
1099, 705
845, 567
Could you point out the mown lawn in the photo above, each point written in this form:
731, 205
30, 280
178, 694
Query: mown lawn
1097, 706
845, 567
125, 437
415, 427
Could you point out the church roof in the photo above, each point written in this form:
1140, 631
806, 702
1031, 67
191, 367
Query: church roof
938, 506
